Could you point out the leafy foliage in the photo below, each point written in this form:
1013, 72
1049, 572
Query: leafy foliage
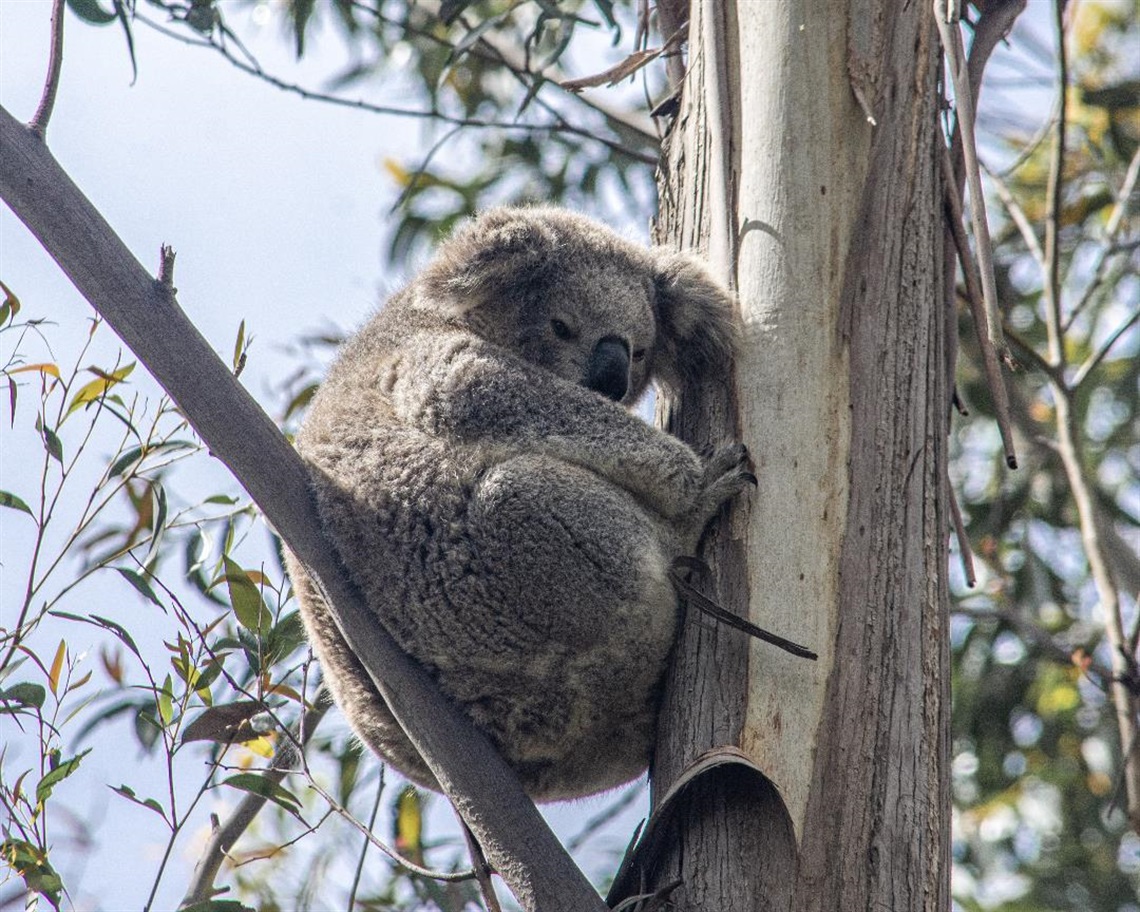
1039, 819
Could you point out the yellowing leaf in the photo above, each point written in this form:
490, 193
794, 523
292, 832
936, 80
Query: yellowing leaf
57, 667
98, 387
239, 344
262, 746
1059, 698
44, 367
398, 172
408, 825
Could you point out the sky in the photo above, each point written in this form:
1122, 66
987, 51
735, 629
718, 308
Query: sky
278, 209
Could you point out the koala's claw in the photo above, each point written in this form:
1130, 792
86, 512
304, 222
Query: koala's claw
727, 473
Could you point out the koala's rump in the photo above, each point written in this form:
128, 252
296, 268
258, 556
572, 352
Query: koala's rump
534, 591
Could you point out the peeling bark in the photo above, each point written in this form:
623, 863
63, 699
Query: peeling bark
842, 395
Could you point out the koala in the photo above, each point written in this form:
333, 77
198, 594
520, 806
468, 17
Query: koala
507, 518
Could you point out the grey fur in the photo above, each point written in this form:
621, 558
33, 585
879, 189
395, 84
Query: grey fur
512, 528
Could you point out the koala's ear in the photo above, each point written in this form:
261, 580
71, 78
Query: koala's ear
697, 330
501, 252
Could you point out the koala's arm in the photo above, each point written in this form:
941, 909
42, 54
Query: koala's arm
458, 387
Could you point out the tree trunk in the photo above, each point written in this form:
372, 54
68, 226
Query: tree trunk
830, 229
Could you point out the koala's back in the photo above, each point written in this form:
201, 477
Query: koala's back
534, 591
505, 516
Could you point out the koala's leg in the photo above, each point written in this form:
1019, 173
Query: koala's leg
575, 567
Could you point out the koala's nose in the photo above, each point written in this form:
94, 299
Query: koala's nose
608, 370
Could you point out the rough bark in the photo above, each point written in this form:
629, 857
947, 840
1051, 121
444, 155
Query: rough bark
841, 393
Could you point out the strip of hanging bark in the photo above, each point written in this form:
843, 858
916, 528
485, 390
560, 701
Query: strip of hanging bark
964, 106
627, 67
716, 766
702, 602
994, 380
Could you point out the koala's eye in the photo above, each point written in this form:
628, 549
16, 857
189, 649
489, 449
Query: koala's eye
638, 354
561, 330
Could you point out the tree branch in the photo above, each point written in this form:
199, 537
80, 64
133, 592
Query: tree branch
147, 317
946, 17
974, 296
1068, 446
39, 121
1090, 365
225, 835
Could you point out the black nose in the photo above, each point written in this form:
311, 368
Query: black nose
608, 370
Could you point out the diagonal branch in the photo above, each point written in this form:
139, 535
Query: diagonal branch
974, 295
147, 317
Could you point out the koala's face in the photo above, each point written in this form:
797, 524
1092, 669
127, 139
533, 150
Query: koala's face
591, 322
572, 296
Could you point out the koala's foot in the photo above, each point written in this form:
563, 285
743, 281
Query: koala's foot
727, 472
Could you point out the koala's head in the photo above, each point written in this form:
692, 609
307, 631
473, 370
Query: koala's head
572, 296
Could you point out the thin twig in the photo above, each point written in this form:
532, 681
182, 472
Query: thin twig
1090, 365
1033, 633
964, 551
501, 49
1027, 352
946, 16
599, 820
482, 869
1017, 214
39, 121
416, 113
1123, 198
1108, 271
365, 843
224, 836
990, 364
1053, 194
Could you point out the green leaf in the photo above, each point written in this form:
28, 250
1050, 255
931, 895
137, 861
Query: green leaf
24, 694
225, 722
249, 607
51, 441
301, 11
32, 865
218, 905
11, 305
165, 700
117, 629
129, 793
14, 503
136, 454
259, 785
45, 786
139, 582
157, 525
91, 11
286, 635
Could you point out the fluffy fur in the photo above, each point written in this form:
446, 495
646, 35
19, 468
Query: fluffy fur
508, 520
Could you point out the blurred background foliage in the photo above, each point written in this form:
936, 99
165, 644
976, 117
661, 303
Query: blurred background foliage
1038, 819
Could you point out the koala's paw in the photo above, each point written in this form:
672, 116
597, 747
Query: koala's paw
728, 471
